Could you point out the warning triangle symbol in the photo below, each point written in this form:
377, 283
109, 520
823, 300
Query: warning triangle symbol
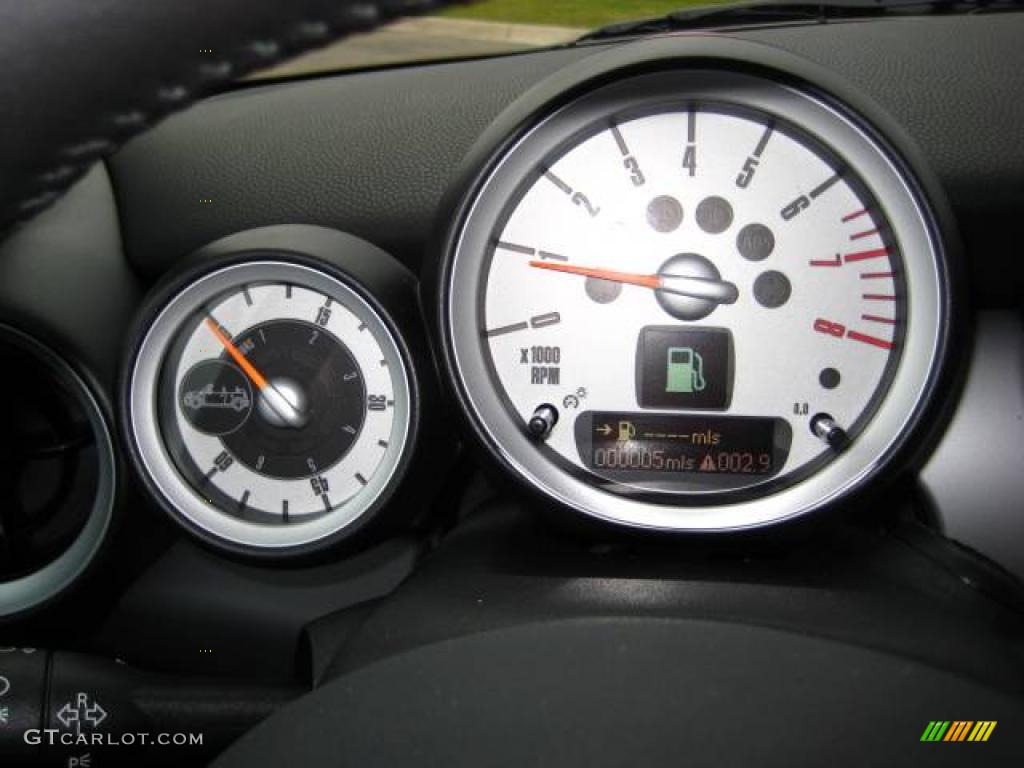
708, 465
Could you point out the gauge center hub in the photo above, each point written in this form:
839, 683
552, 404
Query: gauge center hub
692, 287
695, 186
292, 392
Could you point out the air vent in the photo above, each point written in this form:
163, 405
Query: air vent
56, 473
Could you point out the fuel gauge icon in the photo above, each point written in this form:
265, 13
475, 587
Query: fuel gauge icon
684, 371
685, 367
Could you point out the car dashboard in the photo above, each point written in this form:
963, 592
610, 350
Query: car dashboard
469, 384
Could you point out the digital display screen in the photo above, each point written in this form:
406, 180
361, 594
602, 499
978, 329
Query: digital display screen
695, 444
679, 367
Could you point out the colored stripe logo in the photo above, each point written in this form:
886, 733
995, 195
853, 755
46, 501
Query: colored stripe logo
958, 730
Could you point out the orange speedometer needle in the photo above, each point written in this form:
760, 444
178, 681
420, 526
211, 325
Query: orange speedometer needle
710, 289
250, 370
278, 403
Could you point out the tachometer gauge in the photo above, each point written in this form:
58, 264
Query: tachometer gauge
694, 298
270, 404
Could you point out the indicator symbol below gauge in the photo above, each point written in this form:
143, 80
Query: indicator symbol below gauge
680, 367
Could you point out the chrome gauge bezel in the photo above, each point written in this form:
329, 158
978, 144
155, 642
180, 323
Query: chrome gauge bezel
888, 180
143, 422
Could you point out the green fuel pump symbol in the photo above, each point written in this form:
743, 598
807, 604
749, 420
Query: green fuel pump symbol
685, 371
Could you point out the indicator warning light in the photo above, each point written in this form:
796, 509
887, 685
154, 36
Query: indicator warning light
684, 367
684, 371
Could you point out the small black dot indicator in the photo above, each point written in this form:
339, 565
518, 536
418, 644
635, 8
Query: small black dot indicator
829, 378
772, 289
714, 215
664, 213
755, 242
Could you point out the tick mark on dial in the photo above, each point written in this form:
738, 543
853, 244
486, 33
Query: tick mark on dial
503, 329
867, 339
621, 142
360, 478
523, 249
826, 185
558, 182
865, 233
550, 255
763, 141
874, 253
878, 319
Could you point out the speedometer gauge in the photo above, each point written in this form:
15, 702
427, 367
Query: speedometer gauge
270, 403
695, 299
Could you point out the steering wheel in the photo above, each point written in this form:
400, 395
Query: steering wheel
81, 78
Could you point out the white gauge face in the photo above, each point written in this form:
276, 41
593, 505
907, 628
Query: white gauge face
694, 295
280, 404
792, 307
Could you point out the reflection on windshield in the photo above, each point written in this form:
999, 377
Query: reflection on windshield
477, 29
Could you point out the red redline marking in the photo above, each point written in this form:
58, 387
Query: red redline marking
877, 319
836, 262
861, 255
865, 233
873, 340
854, 215
873, 275
878, 297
